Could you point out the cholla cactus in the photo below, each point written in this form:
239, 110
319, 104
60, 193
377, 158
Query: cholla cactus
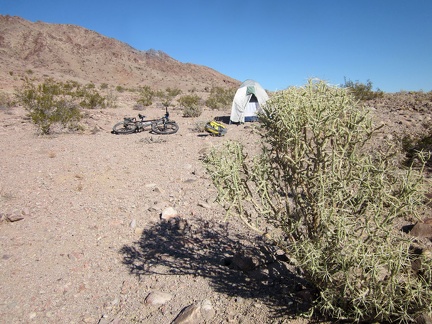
332, 203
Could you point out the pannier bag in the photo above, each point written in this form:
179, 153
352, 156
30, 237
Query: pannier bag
215, 128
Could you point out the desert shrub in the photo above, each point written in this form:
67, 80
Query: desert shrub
47, 105
191, 105
6, 101
145, 96
320, 194
92, 99
173, 92
220, 98
167, 96
111, 99
362, 91
120, 88
412, 145
199, 126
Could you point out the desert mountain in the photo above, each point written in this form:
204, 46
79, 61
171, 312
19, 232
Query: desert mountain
69, 52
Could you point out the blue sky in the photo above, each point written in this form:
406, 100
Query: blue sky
279, 43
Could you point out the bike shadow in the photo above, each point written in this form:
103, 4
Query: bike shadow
210, 250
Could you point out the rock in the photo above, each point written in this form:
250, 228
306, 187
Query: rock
133, 223
139, 230
157, 298
204, 205
15, 218
423, 319
189, 315
242, 262
207, 310
169, 213
422, 230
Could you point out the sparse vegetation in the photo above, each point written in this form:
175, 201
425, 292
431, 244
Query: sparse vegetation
320, 194
146, 95
47, 105
413, 145
220, 98
167, 96
191, 105
362, 91
6, 101
199, 126
57, 103
120, 88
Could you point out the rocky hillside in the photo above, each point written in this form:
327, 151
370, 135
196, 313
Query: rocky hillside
69, 52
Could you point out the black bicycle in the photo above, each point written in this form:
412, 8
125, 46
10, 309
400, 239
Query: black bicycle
161, 126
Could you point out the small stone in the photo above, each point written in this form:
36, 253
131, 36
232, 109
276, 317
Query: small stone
204, 205
133, 223
189, 315
422, 230
15, 218
139, 230
207, 310
157, 298
169, 213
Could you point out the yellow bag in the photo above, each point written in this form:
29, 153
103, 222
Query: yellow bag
215, 128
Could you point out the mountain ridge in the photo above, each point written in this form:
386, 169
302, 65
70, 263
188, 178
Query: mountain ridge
65, 51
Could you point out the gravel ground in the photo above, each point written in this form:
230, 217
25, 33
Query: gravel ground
91, 247
87, 244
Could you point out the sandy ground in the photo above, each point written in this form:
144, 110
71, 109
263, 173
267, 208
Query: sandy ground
91, 246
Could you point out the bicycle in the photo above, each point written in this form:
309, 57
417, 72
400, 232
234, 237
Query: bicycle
161, 126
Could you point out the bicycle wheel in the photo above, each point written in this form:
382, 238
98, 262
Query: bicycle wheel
165, 128
123, 129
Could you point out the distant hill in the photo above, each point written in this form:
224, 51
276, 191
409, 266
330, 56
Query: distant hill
69, 52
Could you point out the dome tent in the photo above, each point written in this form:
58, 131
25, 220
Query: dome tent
249, 98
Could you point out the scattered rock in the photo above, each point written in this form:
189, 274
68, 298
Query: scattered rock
207, 310
139, 230
14, 218
152, 140
157, 298
421, 229
423, 319
169, 213
133, 223
242, 262
204, 205
189, 315
10, 217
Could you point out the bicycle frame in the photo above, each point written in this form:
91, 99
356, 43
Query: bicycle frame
132, 125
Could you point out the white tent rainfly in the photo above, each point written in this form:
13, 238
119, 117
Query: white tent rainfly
249, 98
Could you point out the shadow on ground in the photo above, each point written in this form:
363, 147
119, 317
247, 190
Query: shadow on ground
235, 265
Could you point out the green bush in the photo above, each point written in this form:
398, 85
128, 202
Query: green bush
120, 88
319, 193
92, 99
362, 91
220, 98
47, 105
167, 96
191, 105
145, 96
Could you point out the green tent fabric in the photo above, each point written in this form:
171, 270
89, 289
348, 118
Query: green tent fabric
250, 90
247, 103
